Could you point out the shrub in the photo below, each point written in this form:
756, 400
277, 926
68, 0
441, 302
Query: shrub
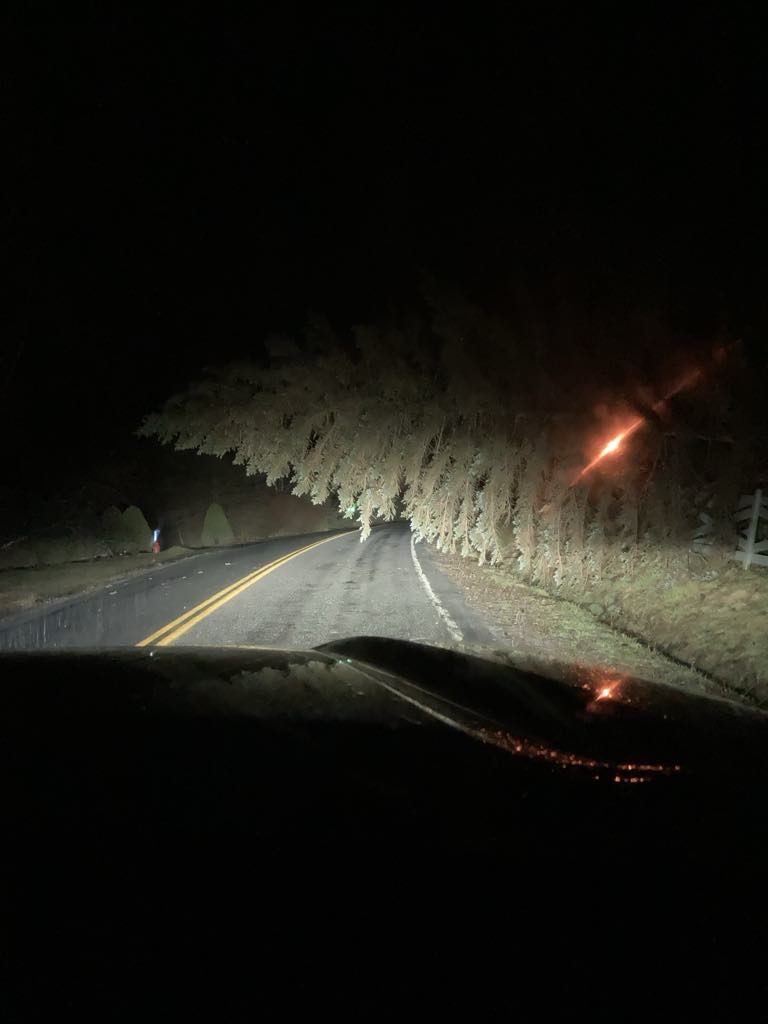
126, 532
216, 528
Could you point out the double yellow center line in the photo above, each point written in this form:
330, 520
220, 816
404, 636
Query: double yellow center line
178, 627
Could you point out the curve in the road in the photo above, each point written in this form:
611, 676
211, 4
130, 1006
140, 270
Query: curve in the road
370, 588
171, 631
236, 597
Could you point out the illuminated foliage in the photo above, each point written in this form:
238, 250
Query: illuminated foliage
453, 424
127, 531
216, 527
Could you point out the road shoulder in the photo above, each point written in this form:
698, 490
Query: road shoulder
38, 587
542, 633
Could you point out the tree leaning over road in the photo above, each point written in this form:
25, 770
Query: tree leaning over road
472, 433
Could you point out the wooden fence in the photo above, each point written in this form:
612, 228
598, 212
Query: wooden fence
749, 511
751, 508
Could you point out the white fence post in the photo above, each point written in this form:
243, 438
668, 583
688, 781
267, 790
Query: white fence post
751, 508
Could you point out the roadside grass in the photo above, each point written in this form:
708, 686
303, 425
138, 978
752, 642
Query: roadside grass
23, 589
705, 633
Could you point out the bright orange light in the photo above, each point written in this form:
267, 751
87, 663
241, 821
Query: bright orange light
604, 691
612, 445
688, 380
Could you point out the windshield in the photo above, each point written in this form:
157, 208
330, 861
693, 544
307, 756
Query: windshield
342, 344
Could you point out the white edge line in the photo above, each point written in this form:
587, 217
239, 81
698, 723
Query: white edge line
451, 626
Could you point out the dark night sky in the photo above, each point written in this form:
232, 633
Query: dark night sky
182, 186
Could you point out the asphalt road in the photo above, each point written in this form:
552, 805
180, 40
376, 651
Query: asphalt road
291, 592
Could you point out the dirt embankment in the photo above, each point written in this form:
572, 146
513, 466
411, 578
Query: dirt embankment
707, 632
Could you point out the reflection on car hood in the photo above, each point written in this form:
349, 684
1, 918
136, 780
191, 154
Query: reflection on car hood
597, 721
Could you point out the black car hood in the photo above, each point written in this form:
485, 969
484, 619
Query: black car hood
157, 801
608, 727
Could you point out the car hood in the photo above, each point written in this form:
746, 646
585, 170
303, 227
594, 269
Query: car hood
603, 726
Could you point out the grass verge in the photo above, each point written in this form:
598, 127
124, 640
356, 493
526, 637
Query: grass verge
23, 589
707, 633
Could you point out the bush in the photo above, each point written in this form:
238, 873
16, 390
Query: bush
126, 532
216, 528
136, 530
